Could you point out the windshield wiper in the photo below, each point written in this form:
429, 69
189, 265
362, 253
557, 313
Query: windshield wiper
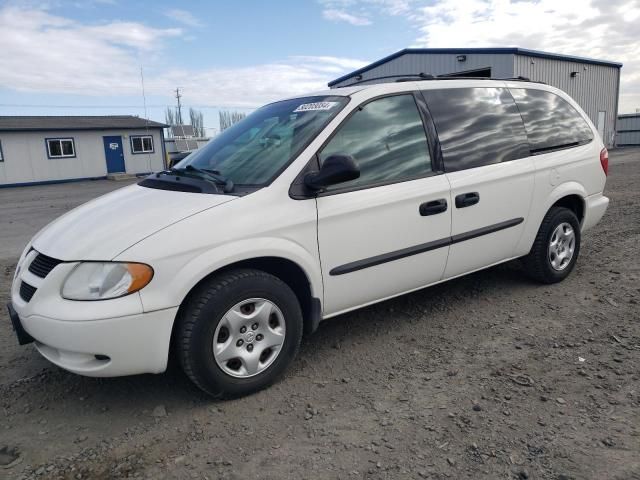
214, 176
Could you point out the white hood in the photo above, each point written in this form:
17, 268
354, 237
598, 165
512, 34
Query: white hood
104, 227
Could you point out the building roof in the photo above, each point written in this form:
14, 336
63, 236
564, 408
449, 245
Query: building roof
624, 115
469, 51
96, 122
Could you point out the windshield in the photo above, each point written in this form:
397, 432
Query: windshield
258, 148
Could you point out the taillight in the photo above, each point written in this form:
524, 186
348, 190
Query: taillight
604, 160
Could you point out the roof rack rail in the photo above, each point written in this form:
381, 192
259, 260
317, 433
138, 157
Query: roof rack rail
512, 79
427, 76
412, 78
409, 77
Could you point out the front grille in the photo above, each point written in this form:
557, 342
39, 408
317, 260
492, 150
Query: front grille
27, 291
42, 265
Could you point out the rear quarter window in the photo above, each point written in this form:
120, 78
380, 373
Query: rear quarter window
550, 121
477, 126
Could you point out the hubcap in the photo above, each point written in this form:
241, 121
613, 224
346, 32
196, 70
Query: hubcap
249, 337
561, 246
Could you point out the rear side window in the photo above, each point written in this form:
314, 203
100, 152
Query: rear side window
477, 126
551, 122
387, 140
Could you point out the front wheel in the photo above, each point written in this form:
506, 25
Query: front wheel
556, 248
239, 332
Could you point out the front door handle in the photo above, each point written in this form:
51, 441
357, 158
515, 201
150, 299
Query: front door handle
467, 199
433, 207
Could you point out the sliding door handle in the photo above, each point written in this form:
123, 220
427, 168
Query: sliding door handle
467, 199
433, 207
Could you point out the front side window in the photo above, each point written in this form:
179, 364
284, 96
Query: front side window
386, 138
551, 122
61, 147
141, 144
477, 126
256, 149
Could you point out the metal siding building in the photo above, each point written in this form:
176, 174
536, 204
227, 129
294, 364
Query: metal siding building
594, 84
96, 142
628, 133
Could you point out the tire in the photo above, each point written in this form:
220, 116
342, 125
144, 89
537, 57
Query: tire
235, 301
539, 263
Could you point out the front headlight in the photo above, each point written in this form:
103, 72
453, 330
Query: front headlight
104, 280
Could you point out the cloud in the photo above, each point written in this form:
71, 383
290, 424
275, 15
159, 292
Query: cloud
184, 17
359, 12
341, 16
47, 53
606, 29
249, 87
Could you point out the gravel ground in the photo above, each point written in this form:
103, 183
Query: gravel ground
488, 376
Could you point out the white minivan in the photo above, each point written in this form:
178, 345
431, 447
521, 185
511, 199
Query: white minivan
309, 208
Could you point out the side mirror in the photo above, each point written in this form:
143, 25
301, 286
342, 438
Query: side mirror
337, 168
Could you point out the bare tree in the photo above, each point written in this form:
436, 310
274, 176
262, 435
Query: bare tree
229, 118
197, 122
170, 119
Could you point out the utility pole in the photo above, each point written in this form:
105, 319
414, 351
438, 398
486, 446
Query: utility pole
179, 119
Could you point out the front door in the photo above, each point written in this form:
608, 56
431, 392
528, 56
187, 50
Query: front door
386, 232
114, 154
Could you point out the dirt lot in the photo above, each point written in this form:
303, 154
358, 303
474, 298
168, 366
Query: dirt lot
489, 376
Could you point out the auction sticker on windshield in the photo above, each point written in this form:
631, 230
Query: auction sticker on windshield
309, 107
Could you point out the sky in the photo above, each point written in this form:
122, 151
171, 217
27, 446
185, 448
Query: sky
89, 57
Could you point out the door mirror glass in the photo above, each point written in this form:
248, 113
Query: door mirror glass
337, 168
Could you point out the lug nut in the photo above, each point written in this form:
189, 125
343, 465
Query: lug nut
250, 347
243, 329
259, 337
239, 343
254, 326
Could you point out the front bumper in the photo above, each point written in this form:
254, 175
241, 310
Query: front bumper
112, 347
95, 338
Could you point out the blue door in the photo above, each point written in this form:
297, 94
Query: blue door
114, 154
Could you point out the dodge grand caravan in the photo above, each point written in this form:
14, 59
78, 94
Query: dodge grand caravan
309, 208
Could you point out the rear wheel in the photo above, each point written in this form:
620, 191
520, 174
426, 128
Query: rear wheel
556, 248
239, 332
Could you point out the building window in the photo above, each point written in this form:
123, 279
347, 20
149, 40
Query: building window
141, 144
60, 147
1, 154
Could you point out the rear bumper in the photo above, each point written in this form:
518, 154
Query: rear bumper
595, 206
112, 347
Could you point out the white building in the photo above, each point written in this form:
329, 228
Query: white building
36, 150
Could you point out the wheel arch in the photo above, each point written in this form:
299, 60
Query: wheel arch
571, 195
287, 270
573, 202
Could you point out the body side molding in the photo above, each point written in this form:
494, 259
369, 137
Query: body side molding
422, 248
